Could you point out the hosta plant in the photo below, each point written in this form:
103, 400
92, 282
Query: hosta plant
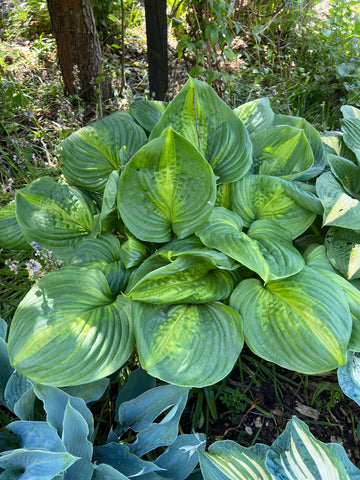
185, 230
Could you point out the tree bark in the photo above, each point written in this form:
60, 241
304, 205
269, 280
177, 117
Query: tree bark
156, 36
78, 46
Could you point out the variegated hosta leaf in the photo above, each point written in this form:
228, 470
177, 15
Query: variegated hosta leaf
340, 209
103, 253
212, 127
69, 330
314, 139
350, 112
227, 460
93, 152
255, 114
343, 250
56, 216
349, 377
317, 259
347, 173
351, 131
11, 237
188, 345
256, 197
302, 323
147, 112
167, 187
281, 151
298, 455
187, 279
266, 248
334, 145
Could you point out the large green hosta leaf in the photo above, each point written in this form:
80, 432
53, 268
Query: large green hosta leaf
227, 460
167, 187
343, 251
351, 131
212, 127
56, 216
147, 112
348, 174
314, 139
340, 209
302, 323
255, 114
11, 237
266, 248
93, 152
188, 345
187, 279
298, 455
281, 151
69, 330
257, 197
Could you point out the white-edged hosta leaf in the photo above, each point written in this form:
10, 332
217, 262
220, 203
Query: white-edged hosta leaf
56, 216
103, 253
212, 127
90, 154
187, 279
298, 455
227, 460
302, 323
314, 140
281, 151
317, 259
256, 197
11, 237
69, 330
255, 114
188, 345
147, 112
347, 173
351, 135
343, 251
266, 248
340, 209
349, 377
167, 187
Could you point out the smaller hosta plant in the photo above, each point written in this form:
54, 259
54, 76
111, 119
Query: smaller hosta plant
182, 233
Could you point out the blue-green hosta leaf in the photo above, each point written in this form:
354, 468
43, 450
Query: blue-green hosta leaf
298, 455
11, 237
6, 369
351, 135
19, 396
89, 392
138, 382
302, 323
56, 216
266, 248
349, 377
187, 279
36, 435
75, 438
212, 127
317, 259
261, 196
107, 472
90, 154
281, 151
147, 113
347, 173
314, 140
132, 251
103, 253
350, 112
304, 194
119, 457
255, 114
340, 209
227, 460
343, 250
182, 456
166, 187
69, 330
189, 345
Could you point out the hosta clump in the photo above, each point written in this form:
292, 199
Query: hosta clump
187, 243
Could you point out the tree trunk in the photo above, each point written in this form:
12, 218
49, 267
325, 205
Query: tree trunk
78, 46
156, 35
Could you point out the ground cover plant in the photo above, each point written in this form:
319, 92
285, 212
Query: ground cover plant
185, 230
